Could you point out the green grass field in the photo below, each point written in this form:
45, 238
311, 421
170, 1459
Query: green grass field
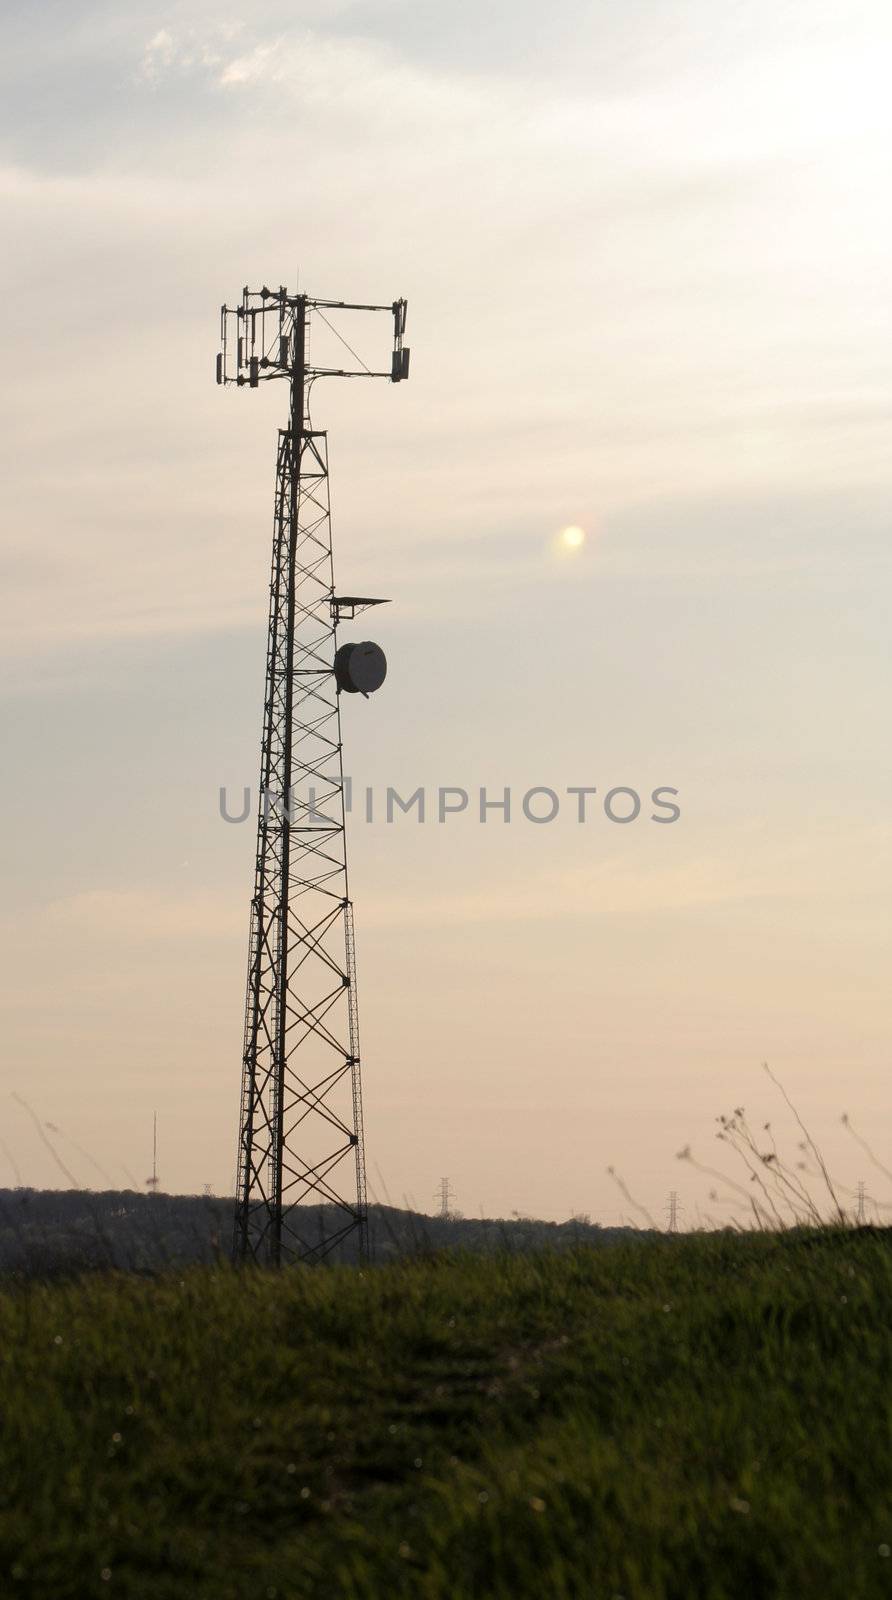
697, 1417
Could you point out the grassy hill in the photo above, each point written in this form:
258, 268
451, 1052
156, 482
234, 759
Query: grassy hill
58, 1232
702, 1418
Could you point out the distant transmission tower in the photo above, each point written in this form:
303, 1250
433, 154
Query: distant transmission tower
673, 1209
152, 1182
300, 1131
860, 1215
444, 1194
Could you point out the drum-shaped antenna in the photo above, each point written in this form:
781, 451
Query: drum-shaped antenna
360, 668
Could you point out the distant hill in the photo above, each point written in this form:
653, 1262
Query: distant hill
51, 1231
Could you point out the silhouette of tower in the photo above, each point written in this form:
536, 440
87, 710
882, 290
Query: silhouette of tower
673, 1209
300, 1130
860, 1215
444, 1194
152, 1182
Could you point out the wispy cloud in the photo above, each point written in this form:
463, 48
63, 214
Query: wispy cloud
158, 56
141, 915
824, 863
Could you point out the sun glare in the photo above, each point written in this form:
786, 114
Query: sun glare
572, 537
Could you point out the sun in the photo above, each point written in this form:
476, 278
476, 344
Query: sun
573, 537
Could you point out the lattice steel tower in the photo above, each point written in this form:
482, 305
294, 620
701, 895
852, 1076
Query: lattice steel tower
300, 1133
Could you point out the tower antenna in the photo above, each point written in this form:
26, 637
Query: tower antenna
300, 1142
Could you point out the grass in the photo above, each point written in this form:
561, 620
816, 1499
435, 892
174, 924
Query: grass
703, 1417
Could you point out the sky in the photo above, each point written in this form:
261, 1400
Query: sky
646, 249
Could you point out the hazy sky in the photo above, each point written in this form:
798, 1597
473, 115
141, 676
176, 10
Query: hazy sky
646, 248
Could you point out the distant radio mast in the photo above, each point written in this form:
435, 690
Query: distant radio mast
300, 1129
152, 1182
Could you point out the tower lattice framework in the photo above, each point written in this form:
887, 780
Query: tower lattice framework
301, 1186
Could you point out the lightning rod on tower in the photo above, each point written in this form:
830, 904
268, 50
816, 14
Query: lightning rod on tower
300, 1142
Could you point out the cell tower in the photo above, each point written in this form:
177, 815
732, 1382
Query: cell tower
300, 1133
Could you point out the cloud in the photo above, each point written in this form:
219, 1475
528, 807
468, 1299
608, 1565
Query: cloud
159, 54
251, 68
141, 915
823, 863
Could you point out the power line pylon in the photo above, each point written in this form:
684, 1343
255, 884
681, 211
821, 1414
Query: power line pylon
860, 1216
673, 1209
444, 1194
300, 1141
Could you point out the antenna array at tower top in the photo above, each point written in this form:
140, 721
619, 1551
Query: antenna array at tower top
261, 338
